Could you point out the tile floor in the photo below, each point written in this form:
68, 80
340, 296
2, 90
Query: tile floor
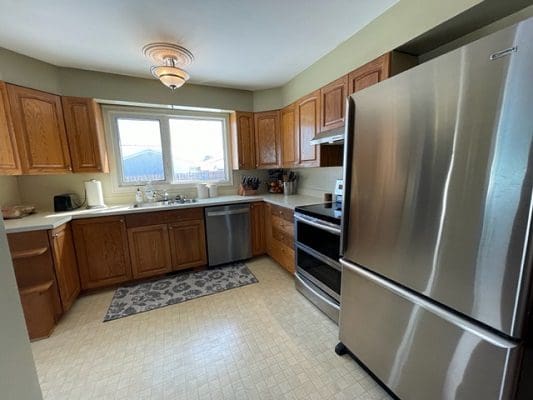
262, 341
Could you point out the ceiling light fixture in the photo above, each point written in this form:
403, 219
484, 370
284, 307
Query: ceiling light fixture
169, 59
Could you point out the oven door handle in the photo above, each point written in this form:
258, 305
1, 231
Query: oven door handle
317, 224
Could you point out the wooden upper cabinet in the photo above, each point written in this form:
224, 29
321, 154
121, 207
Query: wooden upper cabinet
289, 136
9, 157
257, 226
308, 124
333, 104
242, 140
149, 250
65, 264
39, 130
267, 146
369, 74
102, 250
85, 132
187, 244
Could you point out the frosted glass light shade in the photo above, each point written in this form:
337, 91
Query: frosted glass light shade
170, 76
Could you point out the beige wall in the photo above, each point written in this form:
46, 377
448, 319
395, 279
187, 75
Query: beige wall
9, 191
26, 71
18, 378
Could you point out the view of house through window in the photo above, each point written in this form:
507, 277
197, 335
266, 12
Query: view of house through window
170, 149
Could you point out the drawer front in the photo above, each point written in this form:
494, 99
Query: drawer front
283, 225
283, 213
163, 217
283, 254
28, 244
283, 237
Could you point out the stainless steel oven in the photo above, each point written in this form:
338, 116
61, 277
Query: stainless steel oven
318, 271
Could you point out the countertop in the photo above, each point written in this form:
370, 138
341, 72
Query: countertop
50, 220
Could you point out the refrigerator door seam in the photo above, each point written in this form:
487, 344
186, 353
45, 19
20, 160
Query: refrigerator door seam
466, 325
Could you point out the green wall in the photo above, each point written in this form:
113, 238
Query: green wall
404, 21
26, 71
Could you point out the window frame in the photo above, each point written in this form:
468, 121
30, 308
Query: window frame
113, 113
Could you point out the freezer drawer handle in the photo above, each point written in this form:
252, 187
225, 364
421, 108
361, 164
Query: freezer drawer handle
230, 212
466, 325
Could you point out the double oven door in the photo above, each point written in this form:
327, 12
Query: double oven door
318, 271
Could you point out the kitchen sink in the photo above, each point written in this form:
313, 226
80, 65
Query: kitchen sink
163, 203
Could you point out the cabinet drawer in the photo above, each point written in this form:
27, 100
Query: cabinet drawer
283, 237
283, 254
283, 213
164, 217
283, 225
28, 244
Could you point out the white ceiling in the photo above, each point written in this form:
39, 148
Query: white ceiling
247, 44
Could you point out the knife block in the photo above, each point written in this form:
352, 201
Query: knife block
244, 191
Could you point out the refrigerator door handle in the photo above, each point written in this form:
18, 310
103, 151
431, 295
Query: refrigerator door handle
347, 161
443, 313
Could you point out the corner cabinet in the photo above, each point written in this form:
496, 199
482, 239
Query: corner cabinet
85, 132
267, 139
242, 140
258, 229
65, 264
39, 131
9, 157
102, 250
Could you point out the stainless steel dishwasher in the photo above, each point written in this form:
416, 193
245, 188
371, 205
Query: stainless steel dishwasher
228, 233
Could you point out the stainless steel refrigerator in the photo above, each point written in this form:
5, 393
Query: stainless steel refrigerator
436, 285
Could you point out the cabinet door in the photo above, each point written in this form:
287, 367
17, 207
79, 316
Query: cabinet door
65, 264
149, 250
102, 250
333, 104
187, 244
289, 136
242, 140
40, 131
369, 74
85, 132
257, 225
308, 111
267, 148
9, 157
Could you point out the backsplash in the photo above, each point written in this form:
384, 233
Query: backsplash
40, 190
317, 181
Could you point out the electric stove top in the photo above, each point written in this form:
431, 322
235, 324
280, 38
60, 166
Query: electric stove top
330, 212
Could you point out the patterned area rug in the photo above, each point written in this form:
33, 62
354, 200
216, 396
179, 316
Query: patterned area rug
146, 296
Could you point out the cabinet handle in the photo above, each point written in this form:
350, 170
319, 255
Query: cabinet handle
29, 253
170, 227
55, 235
122, 220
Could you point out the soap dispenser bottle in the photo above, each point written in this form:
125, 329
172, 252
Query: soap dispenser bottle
138, 196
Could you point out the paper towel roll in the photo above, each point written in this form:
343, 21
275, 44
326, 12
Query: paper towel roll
95, 196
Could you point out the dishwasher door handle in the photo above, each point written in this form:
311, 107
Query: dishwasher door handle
229, 212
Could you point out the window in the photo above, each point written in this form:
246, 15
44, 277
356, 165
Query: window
181, 148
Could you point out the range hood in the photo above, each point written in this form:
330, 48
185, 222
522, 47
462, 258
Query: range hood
333, 136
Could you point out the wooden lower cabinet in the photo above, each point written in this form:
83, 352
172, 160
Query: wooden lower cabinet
36, 280
187, 244
279, 228
102, 250
149, 250
257, 227
65, 264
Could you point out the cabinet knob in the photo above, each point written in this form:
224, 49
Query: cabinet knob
54, 235
170, 227
122, 220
